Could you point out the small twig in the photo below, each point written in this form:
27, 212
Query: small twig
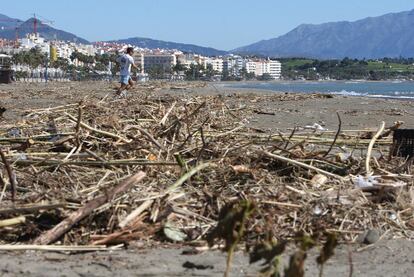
104, 133
12, 221
290, 137
148, 135
296, 163
4, 186
351, 264
188, 175
10, 173
91, 153
190, 135
78, 125
135, 213
391, 129
370, 146
289, 205
94, 163
196, 110
336, 135
164, 119
203, 146
72, 248
30, 208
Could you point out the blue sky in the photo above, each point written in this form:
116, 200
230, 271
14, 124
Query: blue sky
223, 24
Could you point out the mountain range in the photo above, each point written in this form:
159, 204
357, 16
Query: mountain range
9, 30
154, 44
390, 35
8, 22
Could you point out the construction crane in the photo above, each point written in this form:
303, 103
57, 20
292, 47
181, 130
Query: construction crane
43, 20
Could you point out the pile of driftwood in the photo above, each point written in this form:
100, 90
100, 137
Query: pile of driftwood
155, 168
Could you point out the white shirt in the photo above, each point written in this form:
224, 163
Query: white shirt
125, 61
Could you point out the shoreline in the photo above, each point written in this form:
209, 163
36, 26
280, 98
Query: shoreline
274, 112
321, 81
345, 93
285, 110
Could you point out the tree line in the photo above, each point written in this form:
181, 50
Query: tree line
347, 69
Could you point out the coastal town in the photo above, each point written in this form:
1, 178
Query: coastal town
215, 138
166, 63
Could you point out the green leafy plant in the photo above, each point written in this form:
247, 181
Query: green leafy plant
270, 251
296, 264
231, 227
328, 250
297, 260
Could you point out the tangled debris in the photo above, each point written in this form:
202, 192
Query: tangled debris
75, 174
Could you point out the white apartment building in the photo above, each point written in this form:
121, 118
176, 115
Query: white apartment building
139, 61
260, 67
233, 64
187, 59
251, 67
85, 49
63, 51
34, 40
217, 64
228, 64
239, 64
275, 69
199, 59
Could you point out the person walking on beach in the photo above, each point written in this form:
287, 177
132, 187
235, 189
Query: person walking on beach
126, 61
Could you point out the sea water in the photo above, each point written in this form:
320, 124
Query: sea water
389, 89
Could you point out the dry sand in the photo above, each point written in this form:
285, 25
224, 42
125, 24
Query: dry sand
386, 258
355, 112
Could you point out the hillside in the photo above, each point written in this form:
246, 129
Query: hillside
8, 22
44, 30
154, 44
390, 35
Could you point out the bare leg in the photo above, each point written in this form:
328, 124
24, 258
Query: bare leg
130, 84
121, 88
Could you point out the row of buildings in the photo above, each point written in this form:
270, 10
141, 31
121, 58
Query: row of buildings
233, 64
148, 59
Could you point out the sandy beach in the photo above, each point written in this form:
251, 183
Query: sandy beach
268, 112
271, 111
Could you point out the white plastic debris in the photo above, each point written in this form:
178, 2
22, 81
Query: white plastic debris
316, 127
21, 157
365, 182
393, 216
317, 210
174, 233
319, 180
